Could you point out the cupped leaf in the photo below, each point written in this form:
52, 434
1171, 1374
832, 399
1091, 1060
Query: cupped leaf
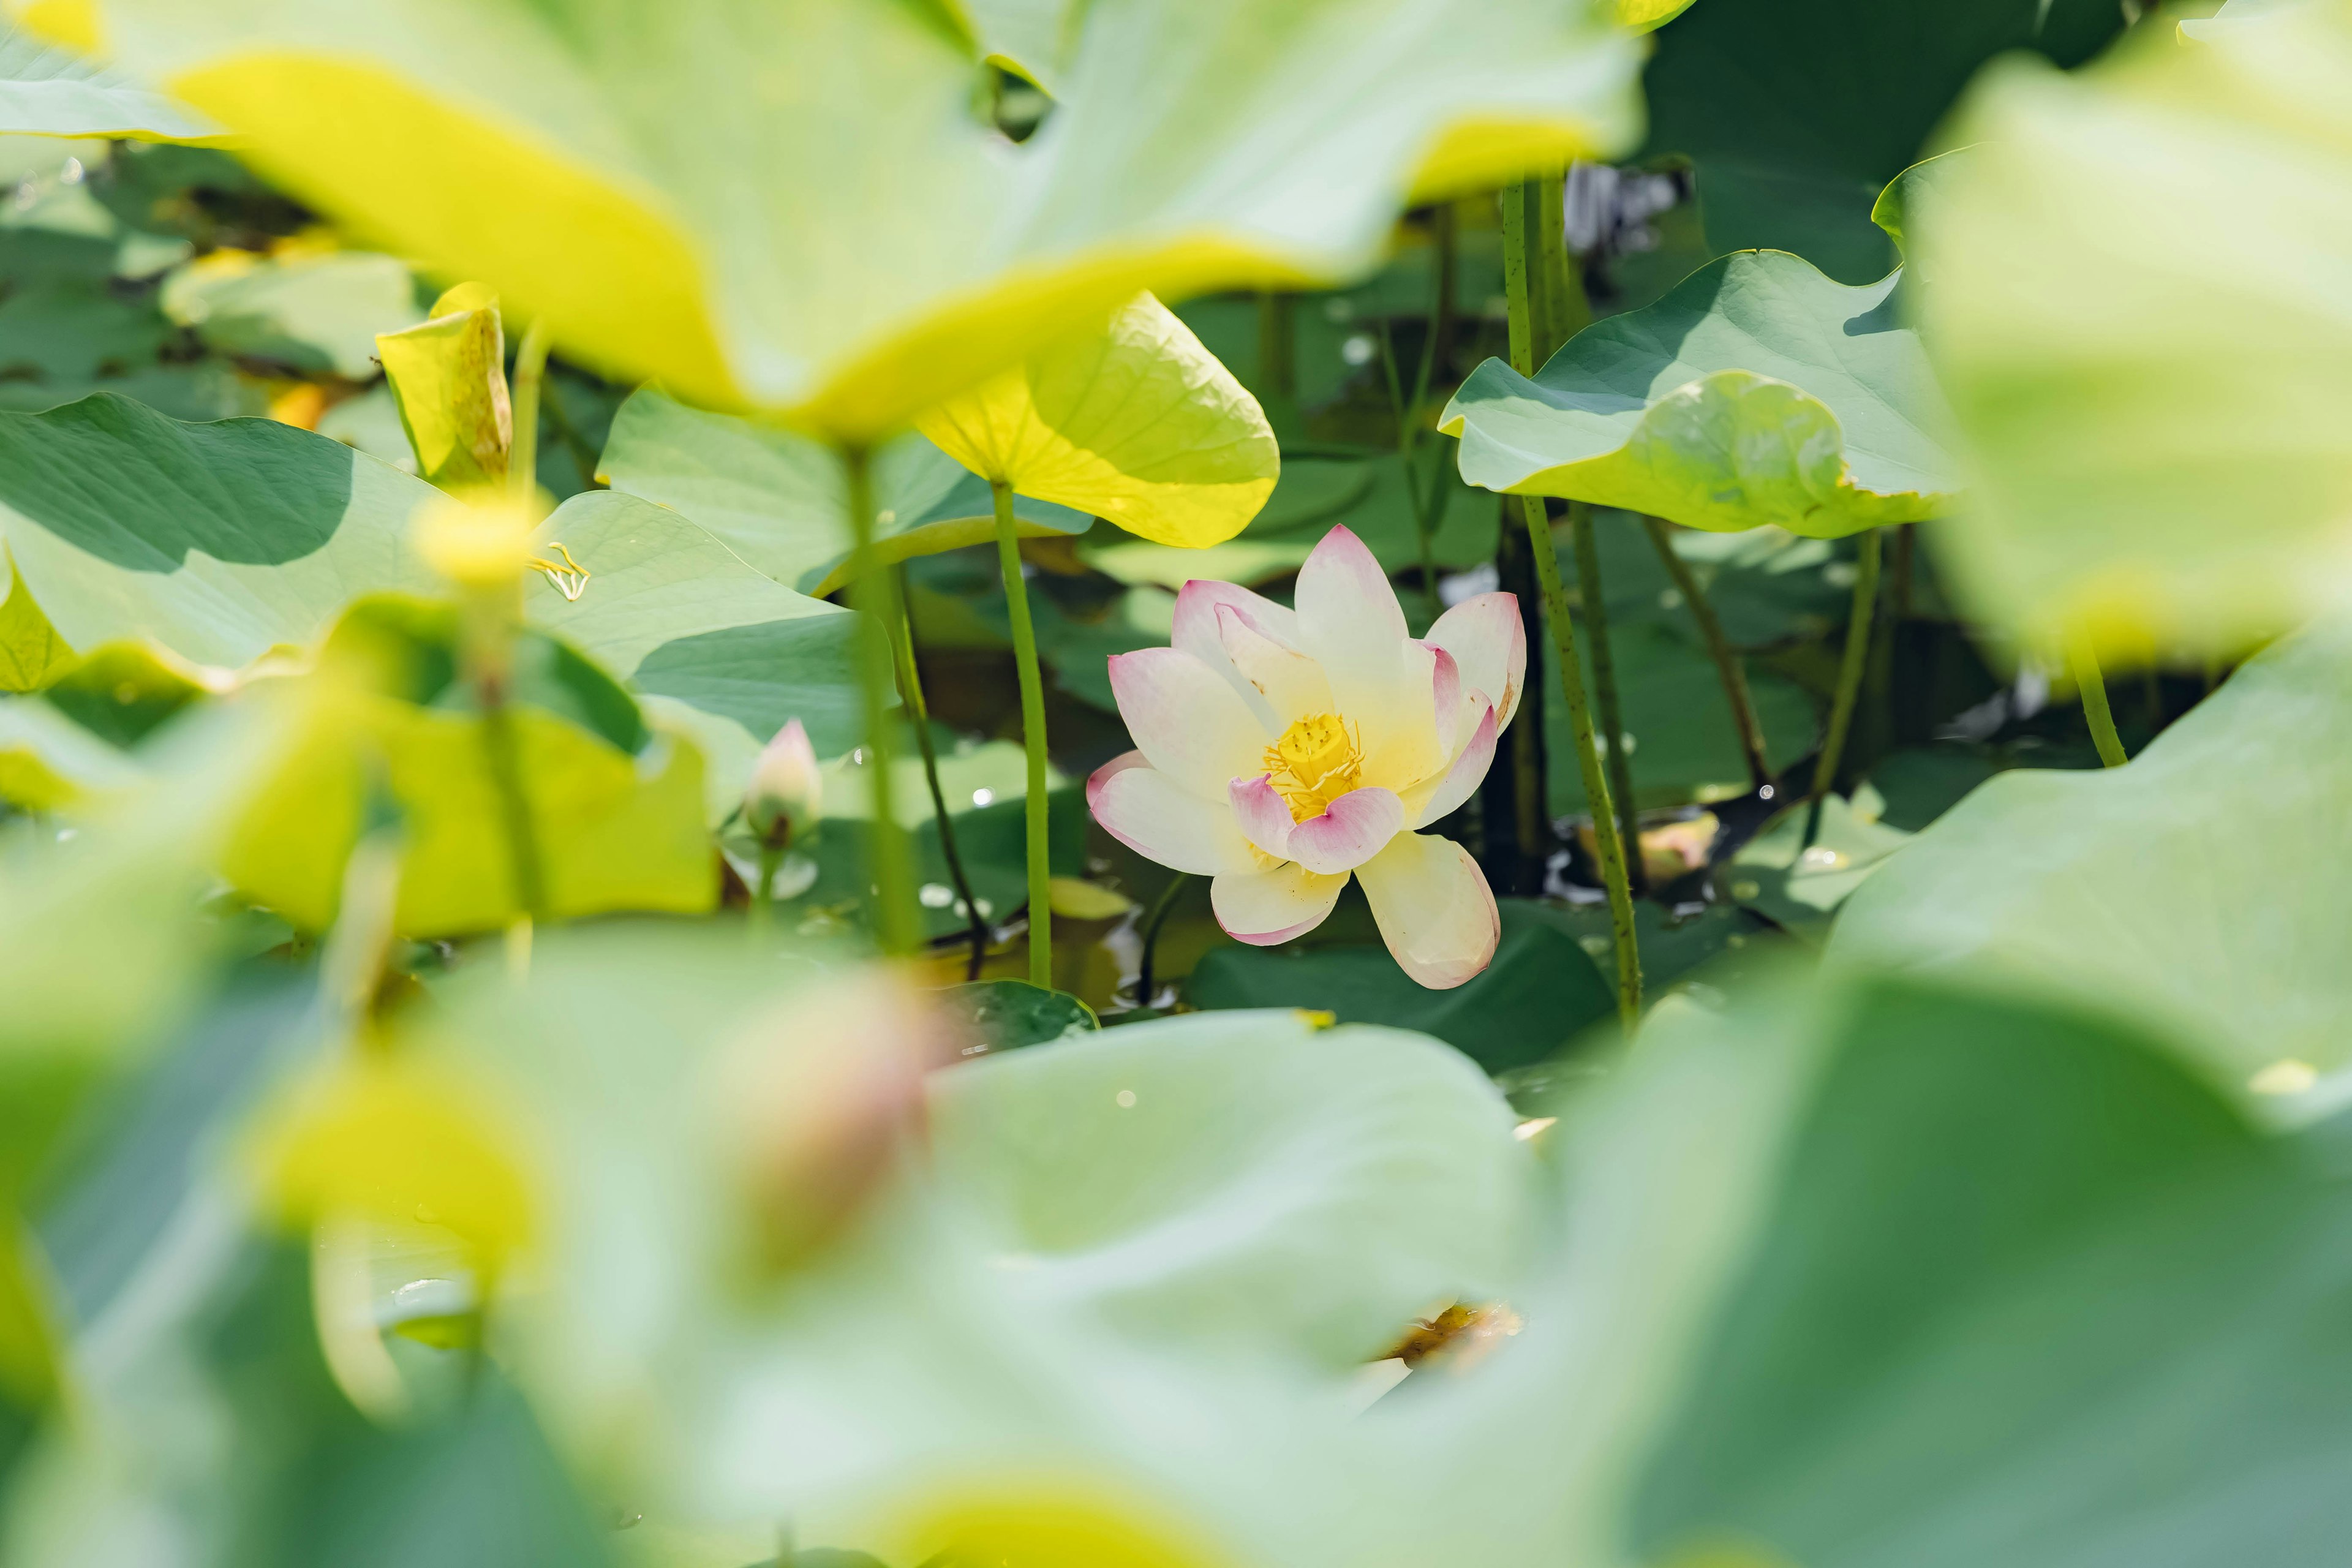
448, 378
1757, 391
2137, 309
221, 541
1138, 424
50, 91
590, 200
674, 612
779, 499
2182, 889
1796, 113
314, 312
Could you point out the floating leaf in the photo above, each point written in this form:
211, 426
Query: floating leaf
1137, 424
1758, 391
448, 378
1006, 1015
1798, 113
2148, 371
592, 201
2182, 890
778, 499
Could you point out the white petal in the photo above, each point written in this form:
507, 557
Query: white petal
1490, 642
1288, 683
1451, 706
1197, 633
1186, 720
1434, 907
1260, 815
1349, 618
1396, 717
1262, 907
1351, 830
1147, 811
1446, 793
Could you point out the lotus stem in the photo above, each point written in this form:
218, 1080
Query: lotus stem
1033, 739
1517, 208
1604, 692
531, 373
874, 592
763, 891
911, 688
1850, 668
1727, 665
2083, 660
1161, 907
500, 749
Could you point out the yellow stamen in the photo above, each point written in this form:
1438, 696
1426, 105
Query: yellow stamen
1316, 762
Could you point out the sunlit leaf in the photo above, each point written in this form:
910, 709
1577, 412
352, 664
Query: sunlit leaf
1759, 391
778, 499
448, 377
1138, 424
31, 652
2182, 889
592, 201
314, 312
50, 91
2133, 311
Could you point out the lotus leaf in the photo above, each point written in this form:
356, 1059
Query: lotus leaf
315, 312
1757, 392
50, 91
46, 761
590, 197
2134, 315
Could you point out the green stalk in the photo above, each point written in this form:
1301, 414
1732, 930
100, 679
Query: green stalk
1517, 208
874, 592
522, 452
506, 776
2083, 660
1850, 668
1158, 915
763, 890
1032, 737
1604, 691
1727, 667
911, 687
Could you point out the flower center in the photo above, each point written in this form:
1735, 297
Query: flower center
1315, 763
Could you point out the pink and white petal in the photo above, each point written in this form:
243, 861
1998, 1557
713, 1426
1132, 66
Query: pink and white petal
1260, 815
1262, 907
1446, 793
1446, 689
1187, 720
1351, 830
1396, 719
1198, 602
1435, 909
1290, 684
1147, 811
1490, 642
1349, 617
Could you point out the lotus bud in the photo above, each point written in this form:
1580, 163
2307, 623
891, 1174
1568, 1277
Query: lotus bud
817, 1097
786, 795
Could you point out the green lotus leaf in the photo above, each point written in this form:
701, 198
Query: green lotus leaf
616, 812
1757, 391
47, 761
1032, 39
1138, 424
50, 91
2129, 317
592, 200
316, 313
2182, 889
2234, 14
1006, 1015
1904, 193
1802, 868
68, 329
777, 498
1798, 113
31, 652
447, 376
672, 612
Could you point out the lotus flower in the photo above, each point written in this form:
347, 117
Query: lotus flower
1283, 750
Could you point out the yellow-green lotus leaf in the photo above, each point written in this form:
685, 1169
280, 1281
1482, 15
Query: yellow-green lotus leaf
1646, 15
798, 205
31, 653
47, 88
2141, 305
1137, 423
49, 761
448, 377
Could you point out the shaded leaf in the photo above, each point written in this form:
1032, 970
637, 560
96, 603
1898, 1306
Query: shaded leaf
1005, 1014
313, 313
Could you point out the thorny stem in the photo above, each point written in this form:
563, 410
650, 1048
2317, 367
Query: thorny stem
1727, 665
874, 591
1604, 691
1850, 668
1161, 907
911, 688
1032, 737
1517, 206
2083, 660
